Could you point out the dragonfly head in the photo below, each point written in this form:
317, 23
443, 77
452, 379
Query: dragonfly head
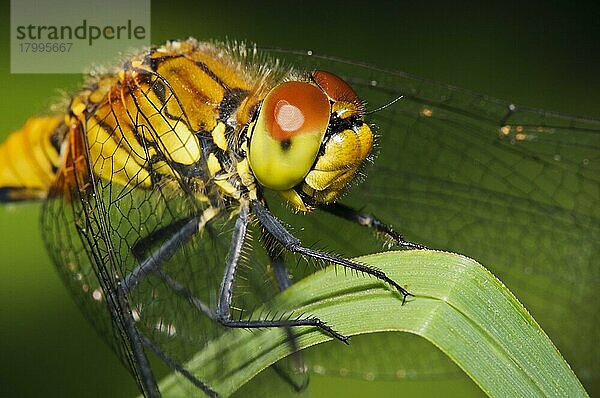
309, 139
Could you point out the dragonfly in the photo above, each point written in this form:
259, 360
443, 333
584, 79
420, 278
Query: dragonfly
146, 162
145, 255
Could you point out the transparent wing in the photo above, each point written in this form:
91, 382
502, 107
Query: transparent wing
75, 230
517, 189
99, 230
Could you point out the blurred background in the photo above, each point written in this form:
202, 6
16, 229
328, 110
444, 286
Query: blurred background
539, 54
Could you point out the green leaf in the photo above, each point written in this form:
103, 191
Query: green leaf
459, 306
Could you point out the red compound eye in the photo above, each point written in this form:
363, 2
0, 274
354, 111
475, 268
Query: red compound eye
294, 108
334, 87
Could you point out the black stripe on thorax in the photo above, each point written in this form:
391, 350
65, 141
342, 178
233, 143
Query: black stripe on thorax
154, 63
231, 102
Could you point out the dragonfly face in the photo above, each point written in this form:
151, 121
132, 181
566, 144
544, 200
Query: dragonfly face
309, 139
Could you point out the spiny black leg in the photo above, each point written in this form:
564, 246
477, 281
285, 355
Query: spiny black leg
282, 277
177, 367
233, 258
290, 242
164, 252
288, 379
279, 323
283, 282
223, 313
181, 290
142, 247
146, 375
369, 221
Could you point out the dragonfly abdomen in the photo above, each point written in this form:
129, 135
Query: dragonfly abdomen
30, 158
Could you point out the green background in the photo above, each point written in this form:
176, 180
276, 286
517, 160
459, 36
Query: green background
544, 55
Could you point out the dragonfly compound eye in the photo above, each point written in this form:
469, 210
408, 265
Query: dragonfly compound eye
345, 100
286, 136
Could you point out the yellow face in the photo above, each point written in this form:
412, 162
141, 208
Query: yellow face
309, 139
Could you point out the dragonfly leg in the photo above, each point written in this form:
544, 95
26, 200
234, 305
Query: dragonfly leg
283, 282
142, 246
369, 221
139, 252
279, 269
165, 251
181, 290
223, 313
290, 242
170, 362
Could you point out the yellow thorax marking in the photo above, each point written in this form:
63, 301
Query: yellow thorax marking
218, 135
228, 188
214, 166
246, 176
207, 215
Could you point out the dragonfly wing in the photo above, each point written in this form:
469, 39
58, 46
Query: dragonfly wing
98, 231
78, 249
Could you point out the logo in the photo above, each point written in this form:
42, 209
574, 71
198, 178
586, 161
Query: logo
74, 36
